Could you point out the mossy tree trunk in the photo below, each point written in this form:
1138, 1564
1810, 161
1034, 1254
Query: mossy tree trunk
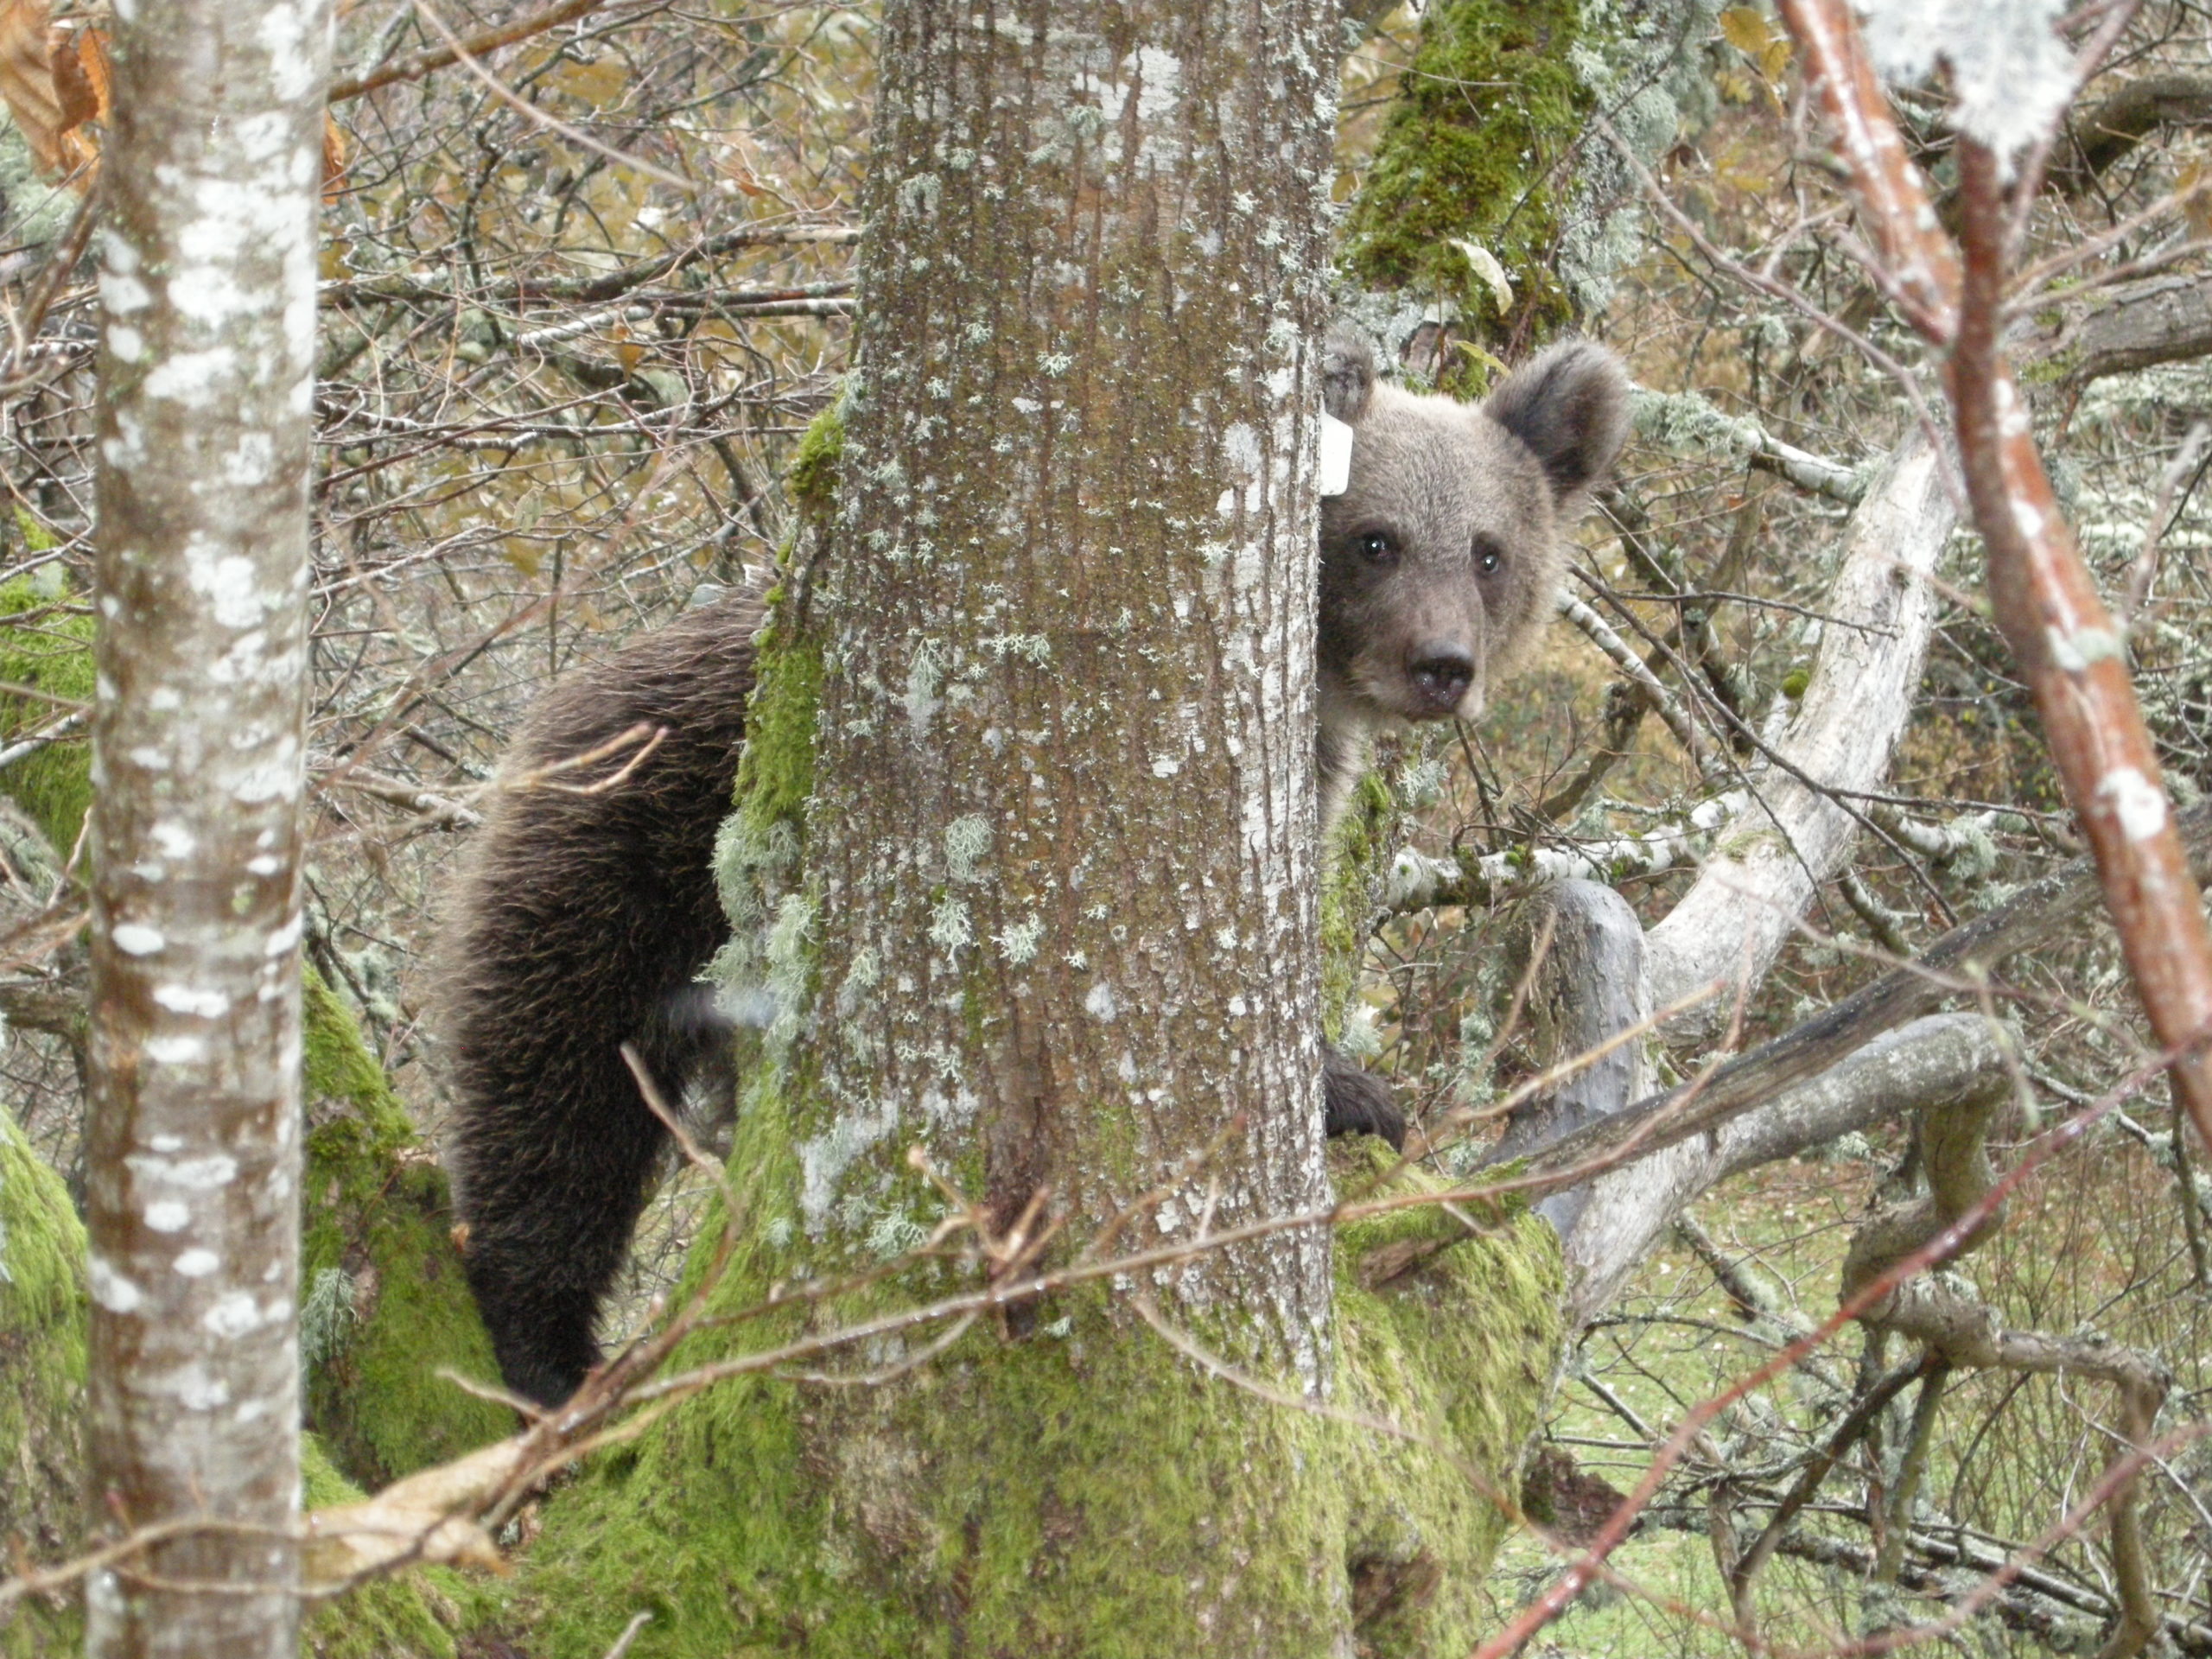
1026, 858
1064, 850
1059, 864
42, 1382
385, 1310
1473, 155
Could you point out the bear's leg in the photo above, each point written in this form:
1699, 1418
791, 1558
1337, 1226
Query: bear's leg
549, 1221
1356, 1101
550, 1236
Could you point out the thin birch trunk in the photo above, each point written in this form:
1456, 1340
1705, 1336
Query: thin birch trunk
208, 268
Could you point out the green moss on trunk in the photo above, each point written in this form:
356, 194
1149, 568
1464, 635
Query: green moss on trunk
42, 1318
1056, 1495
385, 1307
47, 648
395, 1311
1358, 861
1472, 152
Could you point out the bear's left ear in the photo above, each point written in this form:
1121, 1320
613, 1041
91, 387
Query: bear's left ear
1347, 376
1570, 406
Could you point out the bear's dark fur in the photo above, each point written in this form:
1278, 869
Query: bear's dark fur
581, 921
586, 913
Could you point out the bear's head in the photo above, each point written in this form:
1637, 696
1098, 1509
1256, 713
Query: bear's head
1442, 560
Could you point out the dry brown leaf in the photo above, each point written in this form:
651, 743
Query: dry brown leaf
1747, 29
72, 88
85, 72
26, 78
334, 156
57, 85
55, 81
2193, 184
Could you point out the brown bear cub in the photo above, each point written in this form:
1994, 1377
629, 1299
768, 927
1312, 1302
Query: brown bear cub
584, 916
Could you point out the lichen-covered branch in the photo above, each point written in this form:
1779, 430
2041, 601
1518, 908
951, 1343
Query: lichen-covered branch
2044, 911
1420, 880
2075, 338
1688, 420
1942, 1057
1795, 829
1594, 628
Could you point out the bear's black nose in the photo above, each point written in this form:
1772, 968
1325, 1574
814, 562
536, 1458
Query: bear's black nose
1441, 672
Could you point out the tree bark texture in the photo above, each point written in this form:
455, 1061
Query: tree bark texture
2072, 340
207, 296
1064, 734
1025, 861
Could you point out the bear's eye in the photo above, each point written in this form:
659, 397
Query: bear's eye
1376, 544
1490, 558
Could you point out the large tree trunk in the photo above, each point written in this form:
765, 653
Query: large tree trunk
1025, 856
192, 1146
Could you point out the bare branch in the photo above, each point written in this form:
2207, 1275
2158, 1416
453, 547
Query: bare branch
489, 40
2041, 912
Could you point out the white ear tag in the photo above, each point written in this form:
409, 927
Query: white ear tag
1336, 455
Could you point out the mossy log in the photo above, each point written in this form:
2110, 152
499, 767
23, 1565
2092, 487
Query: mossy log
385, 1308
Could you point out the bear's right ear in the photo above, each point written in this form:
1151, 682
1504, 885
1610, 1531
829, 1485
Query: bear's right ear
1347, 376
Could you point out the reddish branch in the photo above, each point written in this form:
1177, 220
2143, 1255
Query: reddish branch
2040, 593
1920, 268
437, 57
